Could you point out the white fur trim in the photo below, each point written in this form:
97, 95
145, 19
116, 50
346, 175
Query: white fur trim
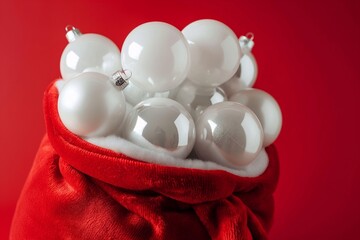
120, 145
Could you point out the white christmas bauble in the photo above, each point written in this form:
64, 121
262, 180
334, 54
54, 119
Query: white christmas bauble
214, 50
89, 105
135, 94
196, 99
89, 53
244, 77
120, 129
163, 125
228, 133
157, 54
266, 109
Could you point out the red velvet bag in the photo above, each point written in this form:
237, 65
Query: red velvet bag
77, 190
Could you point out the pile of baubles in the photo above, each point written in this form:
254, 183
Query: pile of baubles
183, 92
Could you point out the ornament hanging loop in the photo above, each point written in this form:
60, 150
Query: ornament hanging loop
247, 42
250, 36
120, 79
72, 33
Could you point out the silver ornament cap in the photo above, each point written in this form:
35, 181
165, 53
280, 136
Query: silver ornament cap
246, 43
120, 79
72, 33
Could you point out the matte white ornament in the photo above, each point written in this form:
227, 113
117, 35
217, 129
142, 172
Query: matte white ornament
88, 53
120, 129
266, 109
196, 99
214, 50
163, 125
91, 105
228, 133
157, 54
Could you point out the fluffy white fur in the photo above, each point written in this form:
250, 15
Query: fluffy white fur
120, 145
130, 149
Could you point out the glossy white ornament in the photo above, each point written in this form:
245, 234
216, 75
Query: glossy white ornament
157, 54
266, 109
196, 99
228, 133
163, 125
244, 77
247, 72
88, 53
135, 94
90, 105
214, 50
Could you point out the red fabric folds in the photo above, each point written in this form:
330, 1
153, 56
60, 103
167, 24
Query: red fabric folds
76, 190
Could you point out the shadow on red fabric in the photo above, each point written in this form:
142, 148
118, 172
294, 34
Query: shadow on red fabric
76, 190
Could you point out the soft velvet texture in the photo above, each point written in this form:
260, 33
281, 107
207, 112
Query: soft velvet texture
77, 190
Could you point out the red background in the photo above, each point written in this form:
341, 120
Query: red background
307, 52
